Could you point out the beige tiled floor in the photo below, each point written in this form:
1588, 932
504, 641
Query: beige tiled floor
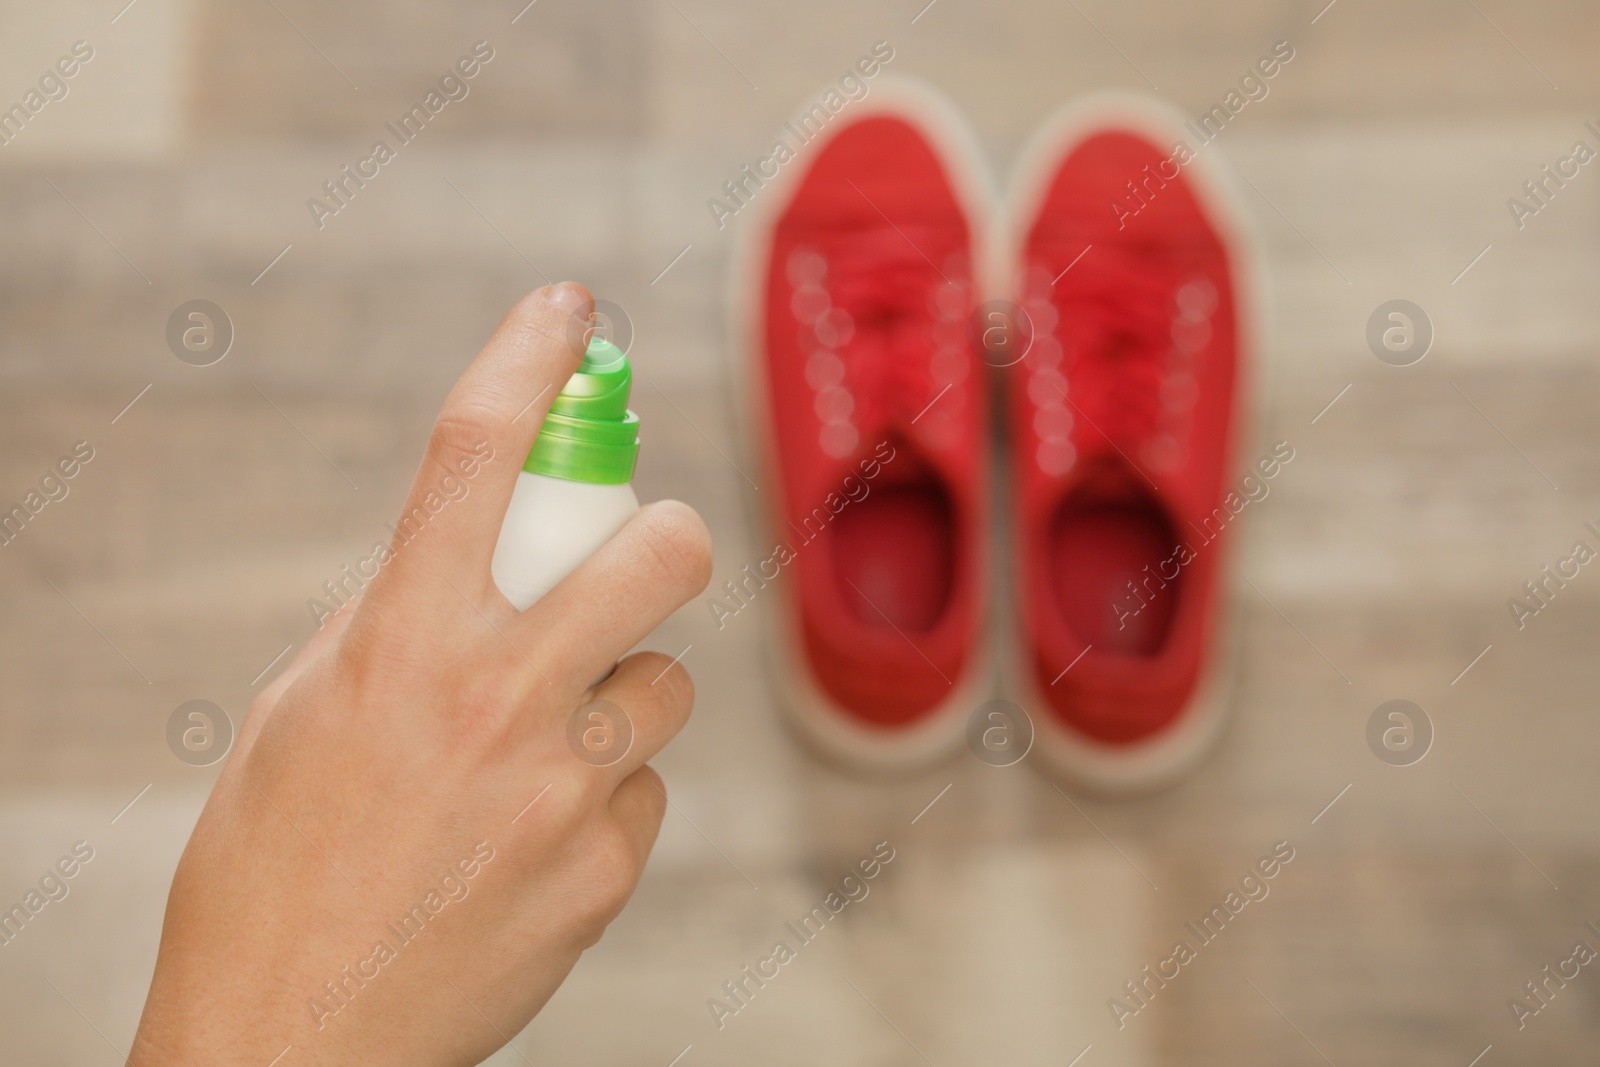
1381, 563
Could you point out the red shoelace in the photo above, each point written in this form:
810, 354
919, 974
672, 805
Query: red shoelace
888, 295
1115, 331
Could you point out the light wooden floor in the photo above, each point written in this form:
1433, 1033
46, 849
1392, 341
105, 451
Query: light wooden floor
1381, 564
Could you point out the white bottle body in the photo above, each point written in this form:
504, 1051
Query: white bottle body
551, 527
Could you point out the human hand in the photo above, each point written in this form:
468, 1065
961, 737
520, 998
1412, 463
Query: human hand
403, 858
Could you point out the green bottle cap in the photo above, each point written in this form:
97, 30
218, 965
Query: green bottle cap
589, 434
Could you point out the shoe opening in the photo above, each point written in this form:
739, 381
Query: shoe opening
895, 550
1111, 566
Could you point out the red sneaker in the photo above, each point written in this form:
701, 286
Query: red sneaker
1125, 416
856, 280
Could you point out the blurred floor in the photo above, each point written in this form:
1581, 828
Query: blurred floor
1380, 566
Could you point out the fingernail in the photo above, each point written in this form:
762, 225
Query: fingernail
569, 297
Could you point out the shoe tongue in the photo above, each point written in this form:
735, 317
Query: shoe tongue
1108, 480
1116, 327
871, 293
890, 289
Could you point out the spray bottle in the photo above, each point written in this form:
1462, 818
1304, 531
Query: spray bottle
575, 490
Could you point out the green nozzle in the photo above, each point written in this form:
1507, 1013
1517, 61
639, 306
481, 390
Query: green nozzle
589, 434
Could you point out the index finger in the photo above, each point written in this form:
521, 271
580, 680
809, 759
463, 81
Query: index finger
452, 515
